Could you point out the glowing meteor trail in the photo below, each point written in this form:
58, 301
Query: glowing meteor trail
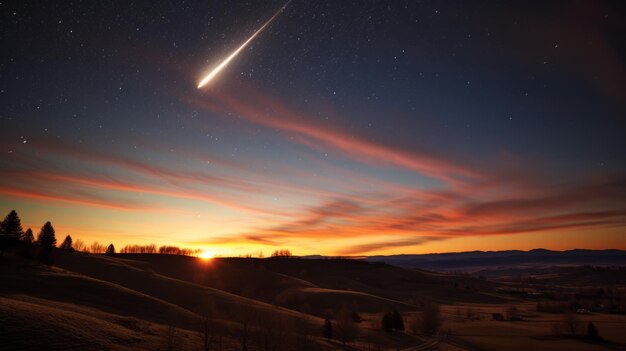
223, 64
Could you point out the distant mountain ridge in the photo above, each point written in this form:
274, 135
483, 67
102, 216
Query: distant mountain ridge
478, 260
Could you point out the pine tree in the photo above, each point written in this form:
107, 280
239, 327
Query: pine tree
328, 329
46, 236
28, 237
10, 231
3, 242
26, 244
110, 250
12, 226
67, 244
47, 240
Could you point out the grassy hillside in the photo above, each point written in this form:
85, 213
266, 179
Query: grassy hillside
37, 324
286, 280
161, 302
124, 302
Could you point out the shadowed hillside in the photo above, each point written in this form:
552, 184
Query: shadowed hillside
128, 298
295, 282
170, 302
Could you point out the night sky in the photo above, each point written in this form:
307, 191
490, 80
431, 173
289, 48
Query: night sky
343, 128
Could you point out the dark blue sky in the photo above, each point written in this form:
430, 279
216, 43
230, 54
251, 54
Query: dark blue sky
403, 110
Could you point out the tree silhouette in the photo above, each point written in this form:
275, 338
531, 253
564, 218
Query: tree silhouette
28, 236
47, 240
12, 226
282, 253
208, 311
387, 322
345, 329
26, 243
328, 329
572, 322
431, 318
67, 244
392, 321
46, 236
592, 332
79, 245
110, 250
11, 231
97, 248
397, 321
170, 341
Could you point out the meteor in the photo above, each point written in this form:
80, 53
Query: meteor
223, 64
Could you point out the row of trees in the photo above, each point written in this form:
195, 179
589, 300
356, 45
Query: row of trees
14, 238
12, 235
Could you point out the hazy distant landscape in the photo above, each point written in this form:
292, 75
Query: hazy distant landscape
472, 262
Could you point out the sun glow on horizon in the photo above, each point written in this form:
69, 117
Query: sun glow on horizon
206, 255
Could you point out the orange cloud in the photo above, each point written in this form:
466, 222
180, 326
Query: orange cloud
84, 199
417, 220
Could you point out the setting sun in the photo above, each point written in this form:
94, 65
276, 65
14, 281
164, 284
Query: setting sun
206, 255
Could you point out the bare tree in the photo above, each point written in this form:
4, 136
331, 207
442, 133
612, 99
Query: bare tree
79, 245
572, 322
208, 311
97, 248
431, 318
304, 333
170, 342
270, 332
282, 253
345, 328
243, 332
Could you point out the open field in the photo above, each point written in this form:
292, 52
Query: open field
535, 331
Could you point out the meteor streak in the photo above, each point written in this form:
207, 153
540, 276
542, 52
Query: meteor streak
223, 64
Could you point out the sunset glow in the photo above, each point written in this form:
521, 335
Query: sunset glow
313, 175
206, 255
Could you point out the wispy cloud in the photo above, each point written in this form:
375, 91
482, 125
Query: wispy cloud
79, 199
263, 109
416, 220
